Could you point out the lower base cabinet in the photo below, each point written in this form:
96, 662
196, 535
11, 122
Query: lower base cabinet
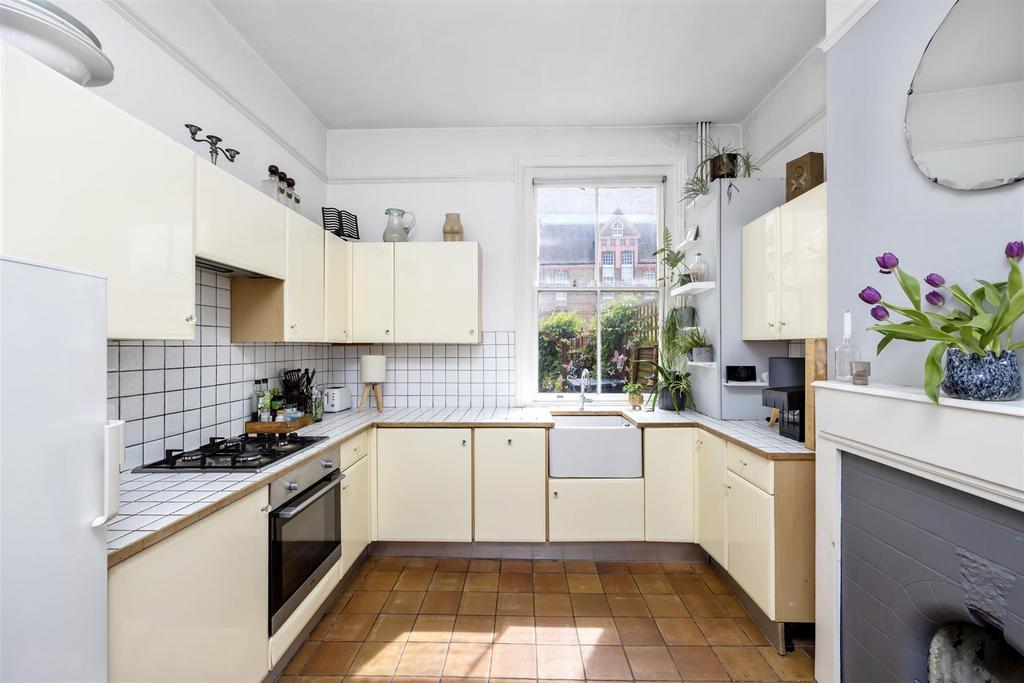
194, 606
669, 508
355, 512
510, 479
424, 484
711, 495
596, 509
750, 530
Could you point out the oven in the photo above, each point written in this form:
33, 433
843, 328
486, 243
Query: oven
305, 535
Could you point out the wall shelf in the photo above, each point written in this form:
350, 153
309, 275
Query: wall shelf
745, 385
696, 364
692, 288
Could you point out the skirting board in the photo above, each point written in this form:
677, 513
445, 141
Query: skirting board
628, 551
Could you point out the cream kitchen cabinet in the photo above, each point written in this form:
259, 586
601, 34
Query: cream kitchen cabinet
750, 530
760, 277
193, 607
355, 512
373, 292
337, 270
86, 185
596, 509
769, 511
669, 509
424, 484
711, 495
785, 270
291, 310
237, 225
803, 258
437, 292
510, 484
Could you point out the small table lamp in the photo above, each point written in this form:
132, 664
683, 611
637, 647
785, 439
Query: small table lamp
371, 372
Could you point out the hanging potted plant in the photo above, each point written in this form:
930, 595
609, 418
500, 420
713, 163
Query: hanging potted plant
973, 332
721, 161
635, 392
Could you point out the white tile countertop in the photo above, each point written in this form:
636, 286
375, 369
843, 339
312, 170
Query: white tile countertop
156, 505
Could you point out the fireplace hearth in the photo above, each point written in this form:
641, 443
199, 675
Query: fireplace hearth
929, 574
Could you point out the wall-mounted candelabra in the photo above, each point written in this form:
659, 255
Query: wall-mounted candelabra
214, 142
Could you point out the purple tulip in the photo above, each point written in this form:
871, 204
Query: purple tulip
1015, 250
880, 313
935, 280
870, 295
886, 262
935, 298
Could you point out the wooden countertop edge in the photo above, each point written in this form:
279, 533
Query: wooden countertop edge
121, 554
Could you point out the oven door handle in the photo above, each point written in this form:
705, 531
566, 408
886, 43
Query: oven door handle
291, 511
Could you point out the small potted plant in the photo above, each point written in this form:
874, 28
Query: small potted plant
971, 331
698, 349
676, 271
635, 392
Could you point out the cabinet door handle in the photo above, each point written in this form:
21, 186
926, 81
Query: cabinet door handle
463, 442
743, 462
782, 322
292, 326
387, 331
190, 318
265, 509
554, 494
728, 487
771, 324
472, 332
510, 442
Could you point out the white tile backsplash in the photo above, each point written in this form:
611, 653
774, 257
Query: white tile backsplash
175, 394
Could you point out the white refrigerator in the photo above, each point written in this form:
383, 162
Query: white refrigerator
58, 485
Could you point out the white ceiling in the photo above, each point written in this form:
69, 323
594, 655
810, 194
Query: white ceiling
431, 63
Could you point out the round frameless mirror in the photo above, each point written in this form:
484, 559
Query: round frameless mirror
965, 107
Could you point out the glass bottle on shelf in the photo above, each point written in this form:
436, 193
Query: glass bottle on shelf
847, 352
269, 184
699, 270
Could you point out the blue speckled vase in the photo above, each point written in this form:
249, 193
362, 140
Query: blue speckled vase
982, 378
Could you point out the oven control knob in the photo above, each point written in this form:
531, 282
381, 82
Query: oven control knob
327, 464
292, 486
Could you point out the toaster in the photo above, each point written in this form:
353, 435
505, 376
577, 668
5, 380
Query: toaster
337, 399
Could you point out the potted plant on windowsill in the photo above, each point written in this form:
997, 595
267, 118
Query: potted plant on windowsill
635, 392
672, 389
972, 331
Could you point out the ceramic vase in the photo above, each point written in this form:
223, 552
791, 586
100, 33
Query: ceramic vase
452, 228
982, 378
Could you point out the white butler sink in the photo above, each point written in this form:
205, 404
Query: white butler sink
594, 447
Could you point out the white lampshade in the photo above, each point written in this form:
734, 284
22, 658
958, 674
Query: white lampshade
372, 368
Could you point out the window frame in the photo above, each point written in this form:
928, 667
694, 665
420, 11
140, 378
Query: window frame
668, 167
599, 287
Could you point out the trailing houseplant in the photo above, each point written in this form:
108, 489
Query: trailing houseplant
672, 389
972, 331
721, 161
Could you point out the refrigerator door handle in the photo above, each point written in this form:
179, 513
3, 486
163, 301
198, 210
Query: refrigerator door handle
113, 456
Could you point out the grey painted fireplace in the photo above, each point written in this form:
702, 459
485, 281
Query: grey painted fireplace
917, 555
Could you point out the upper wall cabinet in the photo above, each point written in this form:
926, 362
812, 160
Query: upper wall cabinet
86, 185
785, 270
237, 225
268, 309
437, 292
337, 270
373, 292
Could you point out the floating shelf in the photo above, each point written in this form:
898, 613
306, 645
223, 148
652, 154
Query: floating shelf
745, 384
696, 364
692, 288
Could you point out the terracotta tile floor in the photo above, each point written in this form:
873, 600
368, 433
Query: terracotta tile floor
422, 619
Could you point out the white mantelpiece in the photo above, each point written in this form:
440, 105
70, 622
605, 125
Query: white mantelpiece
972, 446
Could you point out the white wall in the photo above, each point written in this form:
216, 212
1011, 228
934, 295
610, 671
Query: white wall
471, 171
879, 201
181, 62
790, 120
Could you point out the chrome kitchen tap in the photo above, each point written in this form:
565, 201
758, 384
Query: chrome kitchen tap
584, 381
